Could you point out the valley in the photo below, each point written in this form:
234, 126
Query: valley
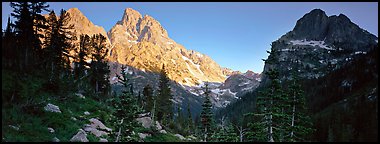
319, 83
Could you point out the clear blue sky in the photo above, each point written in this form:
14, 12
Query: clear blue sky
235, 35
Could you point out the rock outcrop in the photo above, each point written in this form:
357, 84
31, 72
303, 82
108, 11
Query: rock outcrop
81, 136
142, 42
319, 44
52, 108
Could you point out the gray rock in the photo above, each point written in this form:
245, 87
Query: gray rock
86, 113
158, 126
144, 115
52, 108
95, 123
80, 95
143, 135
51, 130
55, 139
81, 136
74, 119
103, 140
145, 121
179, 136
163, 131
14, 127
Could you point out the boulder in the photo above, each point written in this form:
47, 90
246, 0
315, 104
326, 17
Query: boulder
158, 126
80, 95
86, 113
180, 136
145, 121
103, 140
143, 135
55, 139
81, 136
96, 132
163, 131
52, 108
95, 123
144, 115
51, 130
74, 119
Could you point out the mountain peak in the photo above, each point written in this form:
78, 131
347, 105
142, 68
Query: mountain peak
317, 12
312, 25
130, 15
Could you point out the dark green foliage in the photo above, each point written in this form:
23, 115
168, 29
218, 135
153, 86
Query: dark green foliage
164, 111
346, 112
300, 121
57, 47
99, 69
189, 125
148, 95
125, 114
207, 116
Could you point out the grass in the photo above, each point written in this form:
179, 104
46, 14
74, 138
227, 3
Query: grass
160, 137
33, 126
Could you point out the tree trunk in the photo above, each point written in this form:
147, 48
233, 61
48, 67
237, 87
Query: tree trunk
293, 115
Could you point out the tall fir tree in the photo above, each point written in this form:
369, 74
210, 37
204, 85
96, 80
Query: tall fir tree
57, 44
190, 124
164, 99
9, 52
206, 115
99, 68
148, 95
270, 104
125, 114
301, 125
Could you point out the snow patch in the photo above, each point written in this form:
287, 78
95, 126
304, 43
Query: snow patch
132, 41
320, 44
242, 84
247, 88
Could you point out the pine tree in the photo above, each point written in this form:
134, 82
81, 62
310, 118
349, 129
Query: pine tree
9, 53
126, 112
300, 121
27, 25
148, 94
164, 99
190, 124
271, 104
206, 115
25, 34
99, 67
80, 64
57, 47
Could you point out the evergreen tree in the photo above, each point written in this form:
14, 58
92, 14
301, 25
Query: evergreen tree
190, 124
25, 34
99, 68
57, 47
9, 52
80, 64
206, 115
164, 99
126, 112
27, 25
300, 122
270, 103
148, 94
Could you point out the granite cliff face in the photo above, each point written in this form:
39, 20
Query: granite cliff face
142, 42
319, 44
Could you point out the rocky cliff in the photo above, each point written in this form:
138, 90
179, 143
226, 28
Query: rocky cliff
141, 42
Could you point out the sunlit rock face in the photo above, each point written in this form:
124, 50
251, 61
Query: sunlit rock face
141, 42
